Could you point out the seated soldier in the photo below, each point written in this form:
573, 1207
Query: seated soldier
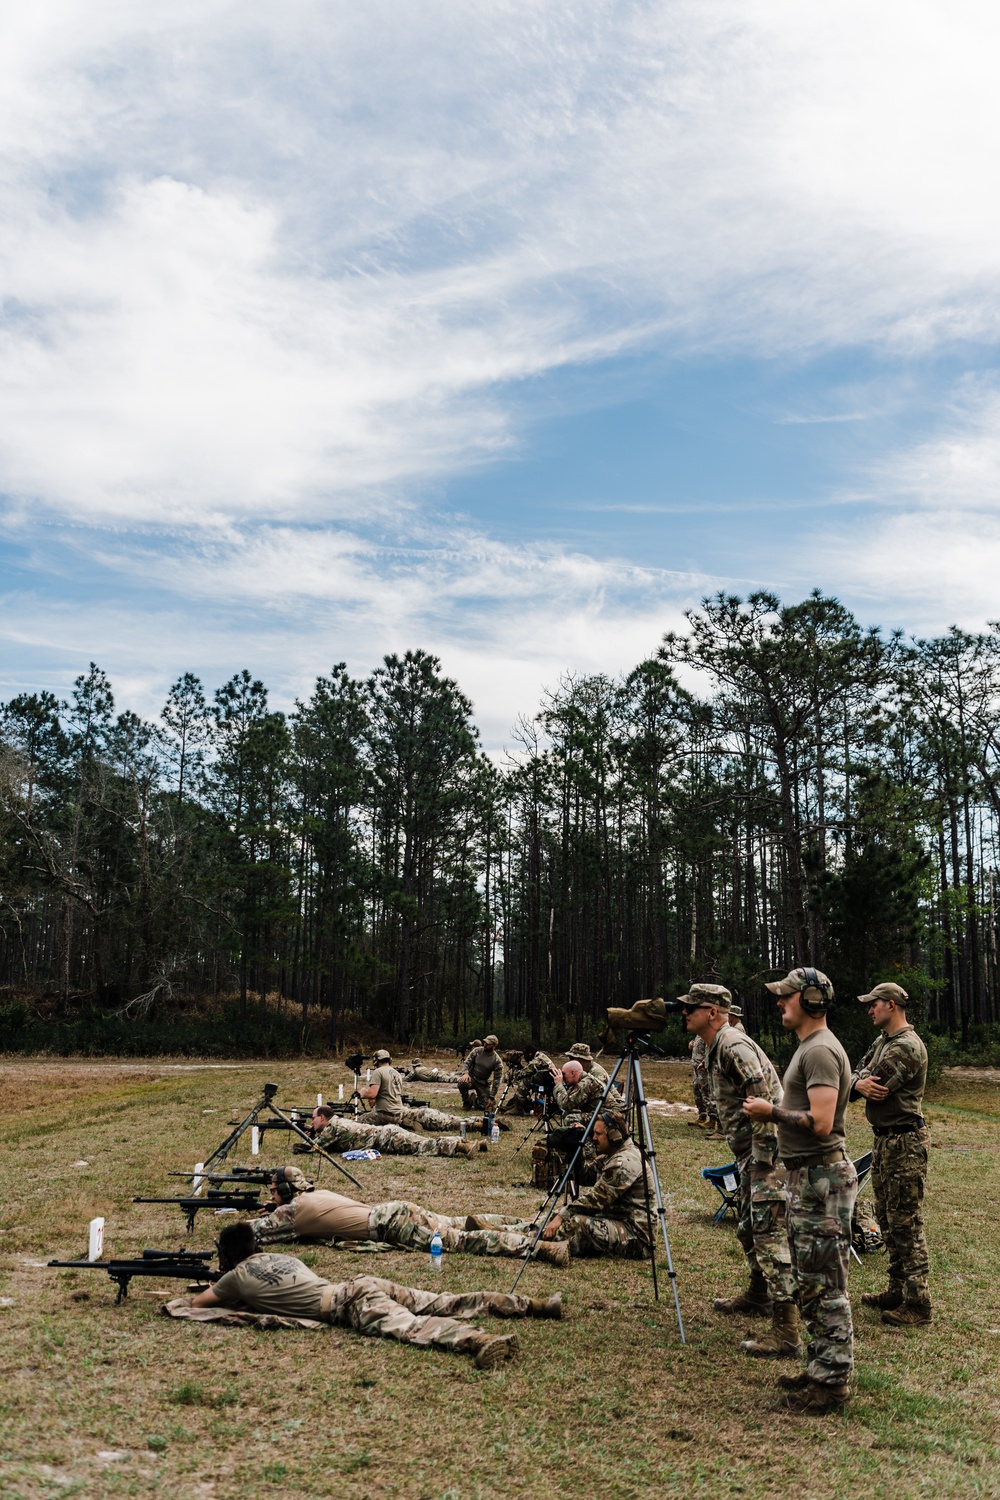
345, 1133
280, 1284
523, 1067
386, 1094
480, 1080
577, 1094
609, 1218
302, 1212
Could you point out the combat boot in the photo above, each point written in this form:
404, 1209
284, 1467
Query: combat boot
702, 1123
885, 1301
814, 1400
910, 1315
553, 1253
481, 1221
489, 1350
782, 1339
755, 1302
794, 1382
546, 1307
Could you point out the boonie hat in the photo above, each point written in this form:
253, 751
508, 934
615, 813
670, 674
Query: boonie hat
885, 992
581, 1051
707, 994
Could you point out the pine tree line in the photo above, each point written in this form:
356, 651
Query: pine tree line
776, 785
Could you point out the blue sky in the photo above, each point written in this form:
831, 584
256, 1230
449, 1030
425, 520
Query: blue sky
503, 330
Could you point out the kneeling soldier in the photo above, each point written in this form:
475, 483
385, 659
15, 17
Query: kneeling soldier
302, 1212
891, 1077
281, 1284
739, 1069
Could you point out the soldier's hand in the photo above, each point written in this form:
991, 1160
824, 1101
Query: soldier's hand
552, 1228
491, 1105
757, 1109
870, 1088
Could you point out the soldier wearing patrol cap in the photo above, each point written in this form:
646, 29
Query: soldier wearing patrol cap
891, 1078
481, 1077
820, 1188
739, 1069
386, 1095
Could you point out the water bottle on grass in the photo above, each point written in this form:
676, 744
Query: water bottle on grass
437, 1252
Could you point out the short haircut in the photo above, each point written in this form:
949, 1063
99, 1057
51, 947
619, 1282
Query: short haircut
236, 1244
326, 1110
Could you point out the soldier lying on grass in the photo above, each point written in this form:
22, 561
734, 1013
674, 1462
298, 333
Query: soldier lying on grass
265, 1282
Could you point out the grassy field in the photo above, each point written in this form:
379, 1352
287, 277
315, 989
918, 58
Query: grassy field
105, 1400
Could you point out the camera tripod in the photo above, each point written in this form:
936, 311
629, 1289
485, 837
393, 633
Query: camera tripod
637, 1113
250, 1120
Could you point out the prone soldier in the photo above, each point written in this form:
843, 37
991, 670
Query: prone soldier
481, 1076
739, 1069
281, 1284
821, 1185
386, 1094
891, 1078
302, 1212
343, 1133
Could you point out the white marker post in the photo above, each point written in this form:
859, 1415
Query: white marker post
319, 1100
340, 1091
254, 1140
96, 1247
368, 1075
197, 1182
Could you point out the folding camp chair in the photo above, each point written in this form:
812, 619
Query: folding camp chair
726, 1181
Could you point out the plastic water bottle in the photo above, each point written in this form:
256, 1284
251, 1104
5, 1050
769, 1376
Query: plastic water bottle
437, 1252
462, 1128
495, 1133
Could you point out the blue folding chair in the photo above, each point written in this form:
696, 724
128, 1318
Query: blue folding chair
726, 1181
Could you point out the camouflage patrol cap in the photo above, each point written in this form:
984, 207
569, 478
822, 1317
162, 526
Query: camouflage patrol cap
894, 992
381, 1056
477, 1043
707, 994
581, 1051
491, 1041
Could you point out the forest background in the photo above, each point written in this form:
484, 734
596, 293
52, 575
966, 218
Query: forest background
776, 785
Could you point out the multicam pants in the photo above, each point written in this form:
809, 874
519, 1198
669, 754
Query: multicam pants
386, 1310
412, 1227
899, 1172
421, 1118
393, 1140
593, 1234
476, 1095
760, 1226
820, 1204
700, 1082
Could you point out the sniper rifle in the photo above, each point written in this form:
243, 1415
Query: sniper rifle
246, 1202
187, 1264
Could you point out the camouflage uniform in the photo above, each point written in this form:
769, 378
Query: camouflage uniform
738, 1068
485, 1069
346, 1134
519, 1100
700, 1081
899, 1157
420, 1073
610, 1217
405, 1225
576, 1103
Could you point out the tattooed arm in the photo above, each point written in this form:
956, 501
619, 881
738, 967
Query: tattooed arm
818, 1117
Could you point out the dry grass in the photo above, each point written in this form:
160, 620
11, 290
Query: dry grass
605, 1403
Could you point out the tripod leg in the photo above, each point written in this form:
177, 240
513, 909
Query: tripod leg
649, 1151
232, 1140
312, 1144
554, 1194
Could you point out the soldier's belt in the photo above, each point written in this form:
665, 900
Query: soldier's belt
910, 1126
794, 1163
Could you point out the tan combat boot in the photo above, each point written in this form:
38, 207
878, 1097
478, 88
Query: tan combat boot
910, 1315
782, 1339
546, 1307
489, 1350
814, 1400
885, 1301
553, 1253
755, 1302
702, 1123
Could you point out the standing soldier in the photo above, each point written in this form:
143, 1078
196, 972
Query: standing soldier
820, 1188
739, 1069
891, 1078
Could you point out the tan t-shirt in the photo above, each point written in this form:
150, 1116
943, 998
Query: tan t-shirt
272, 1283
323, 1215
819, 1062
389, 1099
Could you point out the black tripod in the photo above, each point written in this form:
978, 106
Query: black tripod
250, 1120
638, 1117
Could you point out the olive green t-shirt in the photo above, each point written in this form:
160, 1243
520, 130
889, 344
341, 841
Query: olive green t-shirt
819, 1062
900, 1062
274, 1284
389, 1099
